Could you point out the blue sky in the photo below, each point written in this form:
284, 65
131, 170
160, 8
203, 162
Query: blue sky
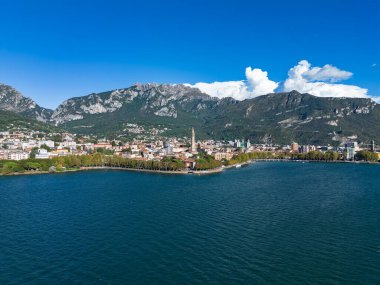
54, 50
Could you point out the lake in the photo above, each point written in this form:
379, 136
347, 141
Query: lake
268, 223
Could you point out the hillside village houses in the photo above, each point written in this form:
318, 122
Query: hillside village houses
18, 145
13, 155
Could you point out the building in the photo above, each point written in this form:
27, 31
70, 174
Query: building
373, 146
242, 144
294, 147
168, 148
18, 155
304, 149
13, 155
104, 145
189, 163
350, 153
42, 153
48, 143
59, 152
351, 149
3, 154
222, 155
352, 145
29, 144
68, 144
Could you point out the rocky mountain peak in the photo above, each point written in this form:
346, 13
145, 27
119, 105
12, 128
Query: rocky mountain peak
12, 100
294, 93
158, 99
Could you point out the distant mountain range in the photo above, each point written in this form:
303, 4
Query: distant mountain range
173, 109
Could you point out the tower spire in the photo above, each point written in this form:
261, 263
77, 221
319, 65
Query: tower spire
193, 144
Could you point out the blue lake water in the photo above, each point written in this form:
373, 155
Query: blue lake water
268, 223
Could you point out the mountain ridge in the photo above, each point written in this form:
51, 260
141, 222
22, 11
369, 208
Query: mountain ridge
171, 109
14, 101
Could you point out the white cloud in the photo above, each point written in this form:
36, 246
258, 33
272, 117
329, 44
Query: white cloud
235, 89
256, 83
317, 81
304, 79
327, 73
259, 82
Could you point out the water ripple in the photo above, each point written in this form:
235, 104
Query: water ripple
269, 223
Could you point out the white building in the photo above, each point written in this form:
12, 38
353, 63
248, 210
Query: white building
68, 144
42, 154
18, 155
351, 149
49, 143
350, 153
29, 144
13, 155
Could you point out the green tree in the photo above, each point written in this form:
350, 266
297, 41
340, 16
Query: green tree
33, 152
32, 165
366, 155
44, 146
11, 167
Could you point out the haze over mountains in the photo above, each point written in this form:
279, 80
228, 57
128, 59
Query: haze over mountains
173, 109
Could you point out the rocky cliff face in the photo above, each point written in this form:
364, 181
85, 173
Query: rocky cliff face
158, 100
14, 101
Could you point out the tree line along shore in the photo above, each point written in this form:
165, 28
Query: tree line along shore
204, 163
100, 160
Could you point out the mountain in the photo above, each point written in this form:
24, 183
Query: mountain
14, 101
14, 121
151, 108
159, 100
287, 117
171, 110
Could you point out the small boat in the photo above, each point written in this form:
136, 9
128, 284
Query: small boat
238, 165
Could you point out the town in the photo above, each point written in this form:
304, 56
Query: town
21, 145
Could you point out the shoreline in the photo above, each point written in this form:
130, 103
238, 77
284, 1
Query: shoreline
90, 168
183, 172
299, 161
199, 172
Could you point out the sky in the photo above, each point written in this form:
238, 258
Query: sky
54, 50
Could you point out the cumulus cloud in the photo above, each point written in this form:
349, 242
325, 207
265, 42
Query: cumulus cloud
315, 81
256, 83
327, 73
